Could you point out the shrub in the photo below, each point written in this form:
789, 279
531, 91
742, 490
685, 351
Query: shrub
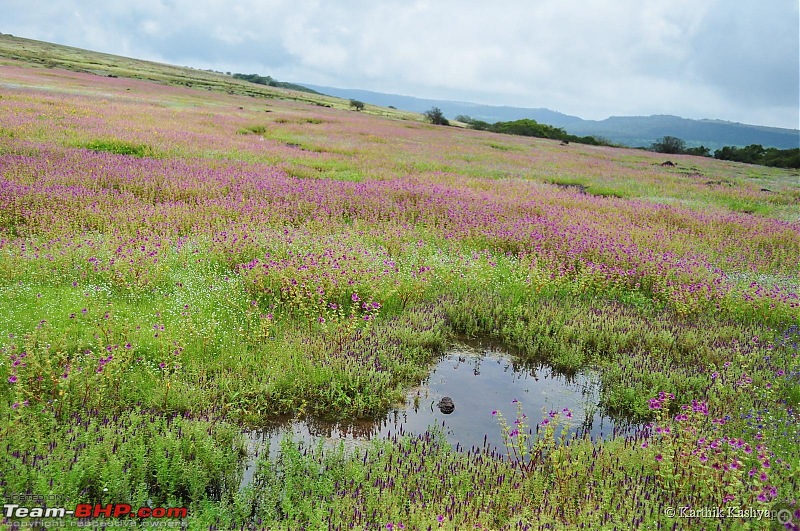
435, 116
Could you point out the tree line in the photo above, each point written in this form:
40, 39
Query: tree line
270, 82
752, 154
528, 127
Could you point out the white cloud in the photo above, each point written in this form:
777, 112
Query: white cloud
734, 60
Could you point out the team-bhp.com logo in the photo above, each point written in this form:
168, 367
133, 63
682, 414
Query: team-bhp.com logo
88, 510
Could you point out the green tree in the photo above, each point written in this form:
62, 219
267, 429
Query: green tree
357, 105
435, 116
528, 127
701, 151
669, 144
480, 125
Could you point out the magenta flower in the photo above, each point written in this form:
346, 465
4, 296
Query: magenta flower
12, 378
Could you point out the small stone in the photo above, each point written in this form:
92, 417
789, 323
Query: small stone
446, 405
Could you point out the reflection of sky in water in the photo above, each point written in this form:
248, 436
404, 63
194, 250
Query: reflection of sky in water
479, 380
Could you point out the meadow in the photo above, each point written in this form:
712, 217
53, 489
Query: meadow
180, 265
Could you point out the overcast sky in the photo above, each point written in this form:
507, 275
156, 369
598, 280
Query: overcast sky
735, 60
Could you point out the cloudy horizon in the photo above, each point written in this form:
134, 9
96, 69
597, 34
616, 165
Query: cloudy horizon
736, 60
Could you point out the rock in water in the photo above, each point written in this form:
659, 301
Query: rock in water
446, 405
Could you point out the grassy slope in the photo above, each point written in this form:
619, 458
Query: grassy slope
49, 55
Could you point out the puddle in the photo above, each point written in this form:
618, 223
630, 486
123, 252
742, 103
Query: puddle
478, 379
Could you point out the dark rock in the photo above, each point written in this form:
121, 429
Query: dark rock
766, 190
446, 405
668, 163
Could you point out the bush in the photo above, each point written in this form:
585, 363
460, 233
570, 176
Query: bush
435, 116
669, 144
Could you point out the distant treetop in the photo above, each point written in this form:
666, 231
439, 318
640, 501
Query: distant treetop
269, 81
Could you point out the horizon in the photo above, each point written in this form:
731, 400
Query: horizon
706, 119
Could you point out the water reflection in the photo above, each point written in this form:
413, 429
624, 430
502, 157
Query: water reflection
479, 379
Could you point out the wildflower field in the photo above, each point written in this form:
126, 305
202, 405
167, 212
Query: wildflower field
179, 265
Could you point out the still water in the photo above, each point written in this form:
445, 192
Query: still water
480, 379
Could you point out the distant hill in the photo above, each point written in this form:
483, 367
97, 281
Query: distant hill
628, 130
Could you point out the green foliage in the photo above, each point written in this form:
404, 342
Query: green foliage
478, 125
120, 147
605, 191
270, 82
255, 129
435, 116
357, 105
700, 151
255, 78
129, 458
757, 154
752, 154
528, 127
669, 144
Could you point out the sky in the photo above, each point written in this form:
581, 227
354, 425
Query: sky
736, 60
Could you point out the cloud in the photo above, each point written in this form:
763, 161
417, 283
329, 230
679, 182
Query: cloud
734, 60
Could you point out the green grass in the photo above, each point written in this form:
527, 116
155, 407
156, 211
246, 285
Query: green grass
120, 147
254, 129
